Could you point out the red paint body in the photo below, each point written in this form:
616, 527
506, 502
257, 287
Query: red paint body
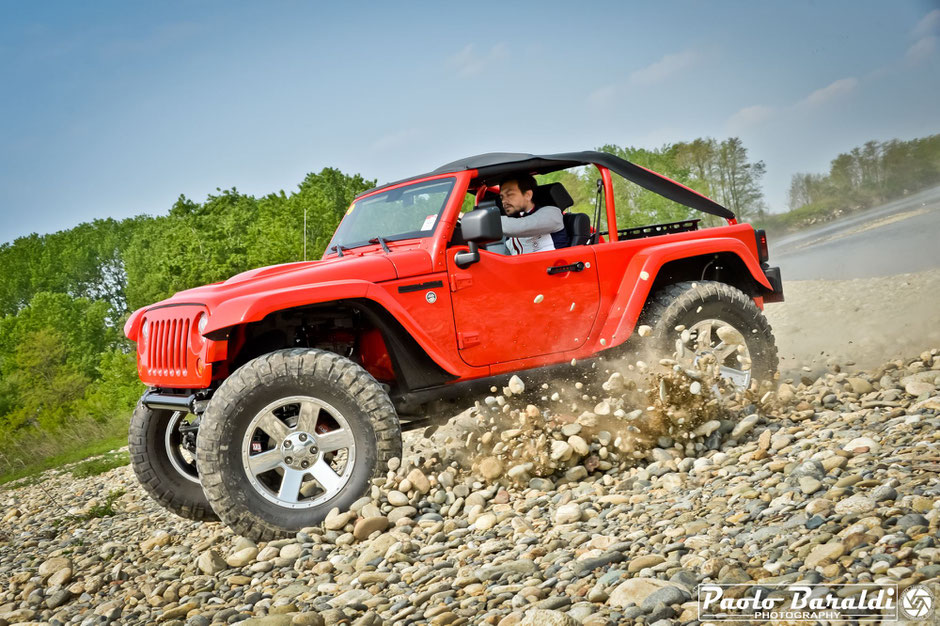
501, 314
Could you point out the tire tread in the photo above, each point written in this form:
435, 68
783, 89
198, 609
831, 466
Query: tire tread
291, 363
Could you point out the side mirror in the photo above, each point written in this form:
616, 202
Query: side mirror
481, 225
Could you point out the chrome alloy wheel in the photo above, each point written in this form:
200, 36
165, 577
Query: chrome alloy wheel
181, 454
722, 341
298, 452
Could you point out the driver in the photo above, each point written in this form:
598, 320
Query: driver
529, 228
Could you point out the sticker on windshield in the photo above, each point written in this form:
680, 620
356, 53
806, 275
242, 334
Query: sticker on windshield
428, 222
350, 209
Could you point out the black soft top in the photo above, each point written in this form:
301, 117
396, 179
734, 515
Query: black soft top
492, 166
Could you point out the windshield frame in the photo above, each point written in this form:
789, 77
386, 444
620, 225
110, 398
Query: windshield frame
400, 188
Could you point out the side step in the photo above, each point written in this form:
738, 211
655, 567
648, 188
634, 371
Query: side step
194, 403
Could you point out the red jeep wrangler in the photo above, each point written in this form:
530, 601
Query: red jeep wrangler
281, 392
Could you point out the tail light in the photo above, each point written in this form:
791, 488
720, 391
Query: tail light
762, 253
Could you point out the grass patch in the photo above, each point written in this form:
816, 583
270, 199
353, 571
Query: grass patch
101, 464
54, 451
106, 509
97, 511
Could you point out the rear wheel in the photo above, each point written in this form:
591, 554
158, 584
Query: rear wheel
289, 436
162, 447
716, 321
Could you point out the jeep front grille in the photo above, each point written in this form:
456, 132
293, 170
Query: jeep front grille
169, 346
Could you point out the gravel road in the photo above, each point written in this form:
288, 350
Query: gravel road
898, 237
600, 501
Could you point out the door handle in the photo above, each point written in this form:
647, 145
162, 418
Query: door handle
560, 269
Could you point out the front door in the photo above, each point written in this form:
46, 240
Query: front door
516, 307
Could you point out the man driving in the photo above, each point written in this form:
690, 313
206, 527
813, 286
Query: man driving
529, 228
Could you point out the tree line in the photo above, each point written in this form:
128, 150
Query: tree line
866, 176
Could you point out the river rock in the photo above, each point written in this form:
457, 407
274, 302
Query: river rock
211, 562
568, 514
635, 591
855, 504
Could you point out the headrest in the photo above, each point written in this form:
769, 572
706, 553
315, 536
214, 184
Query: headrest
552, 194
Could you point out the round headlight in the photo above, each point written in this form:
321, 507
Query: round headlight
203, 322
144, 330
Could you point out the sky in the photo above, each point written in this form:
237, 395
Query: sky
116, 108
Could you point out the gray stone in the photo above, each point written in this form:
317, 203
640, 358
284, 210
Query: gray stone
912, 519
744, 426
495, 572
666, 595
811, 468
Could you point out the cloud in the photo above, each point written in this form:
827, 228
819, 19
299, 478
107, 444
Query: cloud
923, 49
749, 117
469, 62
835, 90
928, 25
667, 66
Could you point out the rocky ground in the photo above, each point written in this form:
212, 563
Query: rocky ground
598, 501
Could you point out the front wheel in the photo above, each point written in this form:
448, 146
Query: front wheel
162, 447
707, 319
289, 436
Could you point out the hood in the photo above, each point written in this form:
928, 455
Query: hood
372, 268
369, 267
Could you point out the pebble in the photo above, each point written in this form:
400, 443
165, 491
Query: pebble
635, 591
745, 426
242, 557
365, 526
419, 481
211, 562
863, 444
642, 562
859, 385
568, 514
809, 485
825, 552
491, 468
855, 504
397, 498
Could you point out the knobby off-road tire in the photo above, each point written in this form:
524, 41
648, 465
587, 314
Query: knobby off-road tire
156, 456
697, 305
289, 436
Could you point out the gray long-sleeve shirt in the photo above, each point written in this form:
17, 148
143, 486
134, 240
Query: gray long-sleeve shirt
532, 232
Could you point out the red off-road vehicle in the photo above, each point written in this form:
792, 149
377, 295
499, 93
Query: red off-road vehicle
281, 392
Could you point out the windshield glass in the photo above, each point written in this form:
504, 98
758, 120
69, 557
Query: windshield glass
403, 213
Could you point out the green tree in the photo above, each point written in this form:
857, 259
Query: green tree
739, 180
866, 176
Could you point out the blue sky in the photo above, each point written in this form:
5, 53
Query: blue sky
112, 109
